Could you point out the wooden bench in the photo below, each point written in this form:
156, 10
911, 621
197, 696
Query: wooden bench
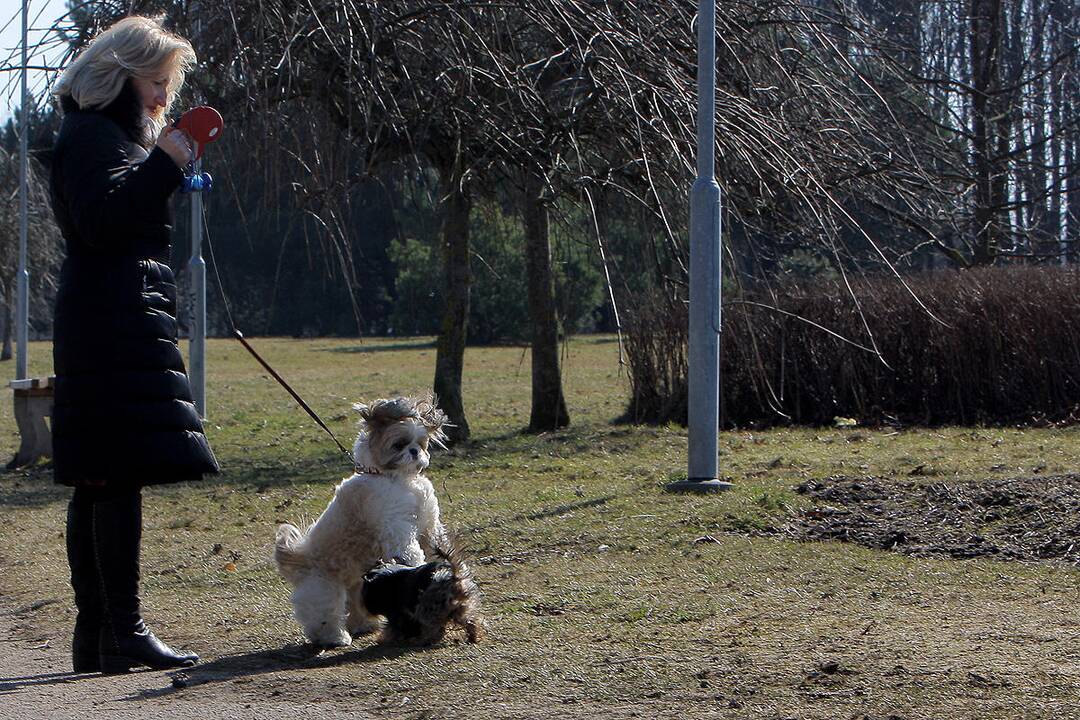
33, 403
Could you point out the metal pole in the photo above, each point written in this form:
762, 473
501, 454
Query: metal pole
704, 359
23, 277
197, 267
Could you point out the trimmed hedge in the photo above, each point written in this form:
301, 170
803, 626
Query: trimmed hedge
1004, 349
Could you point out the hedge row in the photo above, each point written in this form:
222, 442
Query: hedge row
985, 346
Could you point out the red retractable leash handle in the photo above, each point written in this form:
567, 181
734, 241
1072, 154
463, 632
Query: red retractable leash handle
203, 125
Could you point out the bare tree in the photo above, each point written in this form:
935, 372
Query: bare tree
432, 81
997, 73
848, 130
42, 243
579, 96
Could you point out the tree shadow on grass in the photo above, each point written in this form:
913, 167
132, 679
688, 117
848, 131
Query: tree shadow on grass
405, 345
264, 662
34, 486
612, 429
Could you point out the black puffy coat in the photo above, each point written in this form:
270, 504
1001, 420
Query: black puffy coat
123, 410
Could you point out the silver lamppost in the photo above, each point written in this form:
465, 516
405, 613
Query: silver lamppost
704, 359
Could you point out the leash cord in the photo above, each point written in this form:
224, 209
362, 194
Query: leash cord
240, 336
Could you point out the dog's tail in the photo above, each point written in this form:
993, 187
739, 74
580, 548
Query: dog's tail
287, 555
460, 597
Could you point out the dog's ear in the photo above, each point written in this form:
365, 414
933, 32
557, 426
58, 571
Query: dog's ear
365, 417
434, 419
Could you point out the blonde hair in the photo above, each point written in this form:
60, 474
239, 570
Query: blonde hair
136, 46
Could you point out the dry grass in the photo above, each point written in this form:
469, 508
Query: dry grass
605, 596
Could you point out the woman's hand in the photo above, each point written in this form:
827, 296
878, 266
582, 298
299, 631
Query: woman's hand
176, 145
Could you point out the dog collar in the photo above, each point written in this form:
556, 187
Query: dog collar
364, 470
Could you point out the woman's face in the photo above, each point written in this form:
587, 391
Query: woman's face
153, 91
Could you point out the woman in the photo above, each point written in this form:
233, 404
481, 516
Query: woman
123, 415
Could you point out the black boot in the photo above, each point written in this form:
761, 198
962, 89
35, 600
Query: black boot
125, 641
84, 581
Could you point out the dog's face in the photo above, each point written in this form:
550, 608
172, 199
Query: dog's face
401, 447
395, 435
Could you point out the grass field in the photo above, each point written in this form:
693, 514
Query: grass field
605, 597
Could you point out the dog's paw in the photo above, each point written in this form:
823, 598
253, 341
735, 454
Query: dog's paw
331, 645
326, 638
365, 628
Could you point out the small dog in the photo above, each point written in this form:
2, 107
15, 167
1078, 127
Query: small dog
419, 602
386, 511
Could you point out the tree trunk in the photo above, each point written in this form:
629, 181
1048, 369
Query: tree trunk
1029, 166
986, 31
1070, 105
1059, 45
8, 320
5, 318
1072, 195
450, 352
548, 404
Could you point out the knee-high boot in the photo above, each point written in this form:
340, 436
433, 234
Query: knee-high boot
125, 641
84, 581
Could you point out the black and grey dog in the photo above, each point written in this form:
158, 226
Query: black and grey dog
420, 602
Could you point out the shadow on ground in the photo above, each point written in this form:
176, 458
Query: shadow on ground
418, 344
31, 487
264, 662
9, 685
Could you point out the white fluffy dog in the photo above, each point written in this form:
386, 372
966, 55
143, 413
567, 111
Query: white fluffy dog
386, 511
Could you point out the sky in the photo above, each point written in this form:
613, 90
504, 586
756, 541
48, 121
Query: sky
43, 13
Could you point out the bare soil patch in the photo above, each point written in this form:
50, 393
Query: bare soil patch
1020, 518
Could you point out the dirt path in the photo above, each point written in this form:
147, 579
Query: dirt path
36, 684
